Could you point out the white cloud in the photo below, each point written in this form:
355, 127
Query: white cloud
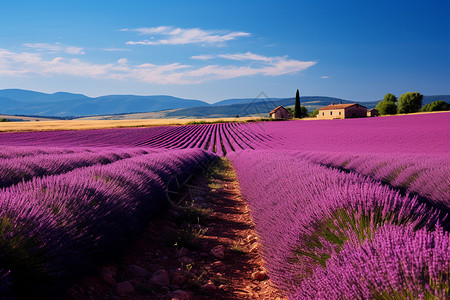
74, 50
239, 57
151, 30
17, 64
57, 47
245, 56
203, 57
27, 64
181, 36
324, 77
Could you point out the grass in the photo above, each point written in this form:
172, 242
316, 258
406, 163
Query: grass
194, 215
237, 248
187, 237
215, 185
218, 169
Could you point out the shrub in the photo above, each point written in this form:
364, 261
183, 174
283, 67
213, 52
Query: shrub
387, 108
409, 103
388, 105
436, 106
314, 113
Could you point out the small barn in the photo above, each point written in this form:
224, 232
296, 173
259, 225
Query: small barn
280, 113
342, 111
373, 113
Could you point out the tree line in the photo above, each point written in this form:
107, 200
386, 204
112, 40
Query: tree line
408, 103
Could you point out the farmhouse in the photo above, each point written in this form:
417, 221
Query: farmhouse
373, 113
280, 113
342, 111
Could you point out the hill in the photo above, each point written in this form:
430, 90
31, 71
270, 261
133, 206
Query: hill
255, 107
243, 108
23, 102
61, 104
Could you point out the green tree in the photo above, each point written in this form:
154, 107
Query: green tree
436, 106
390, 97
290, 110
386, 108
297, 109
409, 103
314, 113
388, 105
303, 111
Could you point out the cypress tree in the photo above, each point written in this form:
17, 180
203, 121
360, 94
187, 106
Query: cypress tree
297, 109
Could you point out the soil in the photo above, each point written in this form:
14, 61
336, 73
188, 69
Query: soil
194, 267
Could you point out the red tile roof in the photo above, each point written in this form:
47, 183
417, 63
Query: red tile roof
278, 109
339, 106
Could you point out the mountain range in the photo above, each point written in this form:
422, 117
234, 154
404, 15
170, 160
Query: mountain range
69, 105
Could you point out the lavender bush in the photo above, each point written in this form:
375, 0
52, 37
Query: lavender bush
55, 227
19, 168
306, 213
397, 263
424, 175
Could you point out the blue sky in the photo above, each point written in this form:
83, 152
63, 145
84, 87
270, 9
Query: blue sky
213, 50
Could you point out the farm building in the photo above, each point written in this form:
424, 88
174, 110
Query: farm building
373, 113
280, 113
342, 111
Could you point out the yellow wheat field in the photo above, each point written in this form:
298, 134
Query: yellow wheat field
101, 124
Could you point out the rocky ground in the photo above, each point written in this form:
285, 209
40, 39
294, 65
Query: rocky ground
206, 248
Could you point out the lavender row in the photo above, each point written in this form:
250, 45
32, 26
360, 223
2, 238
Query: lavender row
418, 134
398, 263
14, 170
221, 138
306, 213
56, 227
122, 137
425, 175
23, 151
425, 134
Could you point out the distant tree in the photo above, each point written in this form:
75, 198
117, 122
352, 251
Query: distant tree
388, 105
390, 97
303, 111
290, 110
4, 120
436, 106
386, 108
297, 109
409, 103
237, 116
314, 113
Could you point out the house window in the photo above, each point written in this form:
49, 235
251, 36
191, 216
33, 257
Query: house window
323, 114
331, 113
339, 113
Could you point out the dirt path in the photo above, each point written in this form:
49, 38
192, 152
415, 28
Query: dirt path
216, 258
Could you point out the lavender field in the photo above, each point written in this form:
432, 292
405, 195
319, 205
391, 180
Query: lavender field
345, 209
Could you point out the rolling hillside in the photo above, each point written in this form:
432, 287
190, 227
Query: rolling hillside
22, 102
261, 108
61, 104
